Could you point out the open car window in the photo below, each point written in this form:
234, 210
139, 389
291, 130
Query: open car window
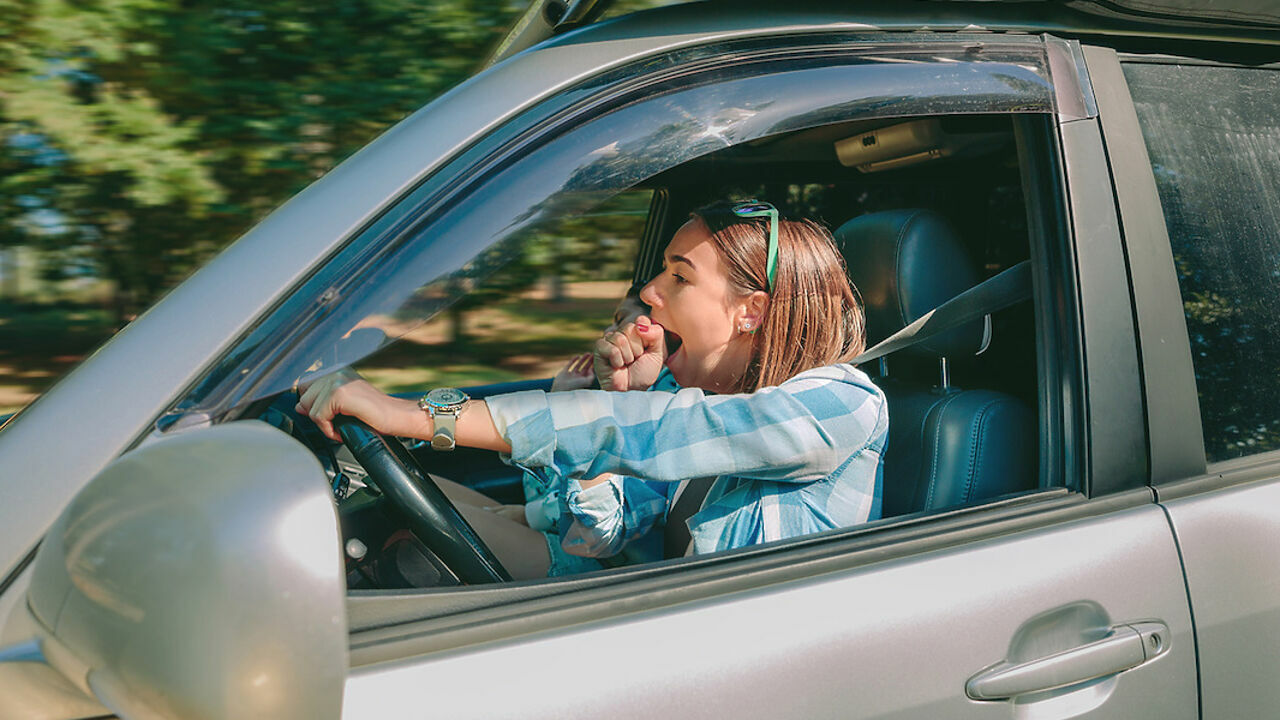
492, 278
421, 256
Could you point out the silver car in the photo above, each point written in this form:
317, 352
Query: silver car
1080, 506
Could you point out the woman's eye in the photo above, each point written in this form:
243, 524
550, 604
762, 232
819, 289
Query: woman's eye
679, 278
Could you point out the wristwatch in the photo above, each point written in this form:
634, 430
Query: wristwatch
444, 405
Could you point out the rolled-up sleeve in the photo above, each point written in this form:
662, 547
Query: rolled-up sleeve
600, 520
799, 431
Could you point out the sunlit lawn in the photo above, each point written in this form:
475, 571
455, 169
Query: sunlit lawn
522, 337
519, 338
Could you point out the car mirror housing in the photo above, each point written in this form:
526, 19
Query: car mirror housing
199, 577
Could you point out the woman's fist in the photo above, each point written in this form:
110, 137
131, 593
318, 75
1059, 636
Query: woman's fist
631, 357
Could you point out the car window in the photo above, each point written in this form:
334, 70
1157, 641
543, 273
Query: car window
517, 266
1213, 136
619, 143
526, 320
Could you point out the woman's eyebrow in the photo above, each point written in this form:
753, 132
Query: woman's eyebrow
683, 259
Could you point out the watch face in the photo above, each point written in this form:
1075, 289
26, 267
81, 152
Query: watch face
443, 397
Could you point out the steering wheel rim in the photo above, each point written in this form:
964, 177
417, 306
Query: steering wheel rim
431, 516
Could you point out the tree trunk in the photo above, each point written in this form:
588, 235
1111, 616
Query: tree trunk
457, 326
9, 289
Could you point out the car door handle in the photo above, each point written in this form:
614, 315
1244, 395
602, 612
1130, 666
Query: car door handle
1125, 646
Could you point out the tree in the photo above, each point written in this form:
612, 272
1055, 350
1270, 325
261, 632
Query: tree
158, 130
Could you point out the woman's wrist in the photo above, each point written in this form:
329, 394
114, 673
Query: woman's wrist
408, 420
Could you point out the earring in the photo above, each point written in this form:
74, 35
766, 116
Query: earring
746, 327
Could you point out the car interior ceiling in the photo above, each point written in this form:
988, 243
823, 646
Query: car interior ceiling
976, 191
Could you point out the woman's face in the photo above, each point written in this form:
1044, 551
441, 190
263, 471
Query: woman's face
692, 299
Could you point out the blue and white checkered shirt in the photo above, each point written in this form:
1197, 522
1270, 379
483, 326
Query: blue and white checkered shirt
798, 458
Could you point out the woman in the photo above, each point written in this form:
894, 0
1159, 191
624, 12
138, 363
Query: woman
766, 320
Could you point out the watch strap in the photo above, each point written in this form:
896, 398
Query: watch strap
446, 425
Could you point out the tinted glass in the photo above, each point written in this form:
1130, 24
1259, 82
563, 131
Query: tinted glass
1213, 134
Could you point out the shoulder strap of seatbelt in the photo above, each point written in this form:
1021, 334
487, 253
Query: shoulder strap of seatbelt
995, 293
675, 535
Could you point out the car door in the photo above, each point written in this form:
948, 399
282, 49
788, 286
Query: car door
1203, 168
1062, 602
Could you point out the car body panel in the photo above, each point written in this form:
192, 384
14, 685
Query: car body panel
1227, 537
843, 645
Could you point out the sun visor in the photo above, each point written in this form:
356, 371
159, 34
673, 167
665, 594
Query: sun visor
910, 143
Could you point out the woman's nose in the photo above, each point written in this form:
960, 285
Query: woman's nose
649, 296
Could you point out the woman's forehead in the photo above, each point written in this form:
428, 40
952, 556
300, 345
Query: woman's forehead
692, 244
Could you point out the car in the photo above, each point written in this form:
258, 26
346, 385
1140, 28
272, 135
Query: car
1063, 215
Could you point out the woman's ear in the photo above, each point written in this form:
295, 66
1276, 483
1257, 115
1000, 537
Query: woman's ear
751, 311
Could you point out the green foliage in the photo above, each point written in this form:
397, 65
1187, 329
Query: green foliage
155, 131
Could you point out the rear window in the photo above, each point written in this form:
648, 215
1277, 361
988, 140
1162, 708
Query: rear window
1213, 135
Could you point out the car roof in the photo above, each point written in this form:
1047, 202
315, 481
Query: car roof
1231, 20
1239, 14
1242, 22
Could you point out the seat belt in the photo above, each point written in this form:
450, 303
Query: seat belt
995, 293
675, 536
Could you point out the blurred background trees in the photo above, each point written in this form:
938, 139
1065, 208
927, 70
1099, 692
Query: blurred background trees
137, 137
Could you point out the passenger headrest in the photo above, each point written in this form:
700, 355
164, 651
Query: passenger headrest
905, 263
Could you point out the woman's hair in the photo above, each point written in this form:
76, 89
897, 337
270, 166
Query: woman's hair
814, 317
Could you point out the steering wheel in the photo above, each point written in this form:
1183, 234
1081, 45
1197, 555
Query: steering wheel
431, 516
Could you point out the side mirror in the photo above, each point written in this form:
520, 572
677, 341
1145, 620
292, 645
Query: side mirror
199, 577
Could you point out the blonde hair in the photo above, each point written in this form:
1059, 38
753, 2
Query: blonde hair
814, 316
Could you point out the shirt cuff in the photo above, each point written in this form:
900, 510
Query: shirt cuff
543, 513
596, 504
524, 420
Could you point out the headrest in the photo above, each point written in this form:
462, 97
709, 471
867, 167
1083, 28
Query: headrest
905, 263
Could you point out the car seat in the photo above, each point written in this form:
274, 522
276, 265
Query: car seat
947, 446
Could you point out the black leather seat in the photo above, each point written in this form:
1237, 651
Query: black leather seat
947, 446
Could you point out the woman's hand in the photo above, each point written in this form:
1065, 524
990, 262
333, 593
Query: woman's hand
346, 393
631, 357
576, 375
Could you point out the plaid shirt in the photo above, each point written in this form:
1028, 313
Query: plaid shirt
798, 458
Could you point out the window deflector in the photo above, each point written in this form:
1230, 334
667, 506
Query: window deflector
629, 138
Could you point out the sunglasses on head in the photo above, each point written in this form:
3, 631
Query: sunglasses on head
755, 209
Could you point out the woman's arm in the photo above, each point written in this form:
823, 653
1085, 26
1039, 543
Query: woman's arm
799, 431
346, 393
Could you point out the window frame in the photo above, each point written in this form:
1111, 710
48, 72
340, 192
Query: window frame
231, 395
388, 625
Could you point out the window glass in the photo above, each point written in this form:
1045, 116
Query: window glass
1213, 135
430, 250
557, 291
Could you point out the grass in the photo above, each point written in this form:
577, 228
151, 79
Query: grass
519, 338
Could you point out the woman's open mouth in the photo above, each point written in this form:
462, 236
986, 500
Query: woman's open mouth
673, 344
